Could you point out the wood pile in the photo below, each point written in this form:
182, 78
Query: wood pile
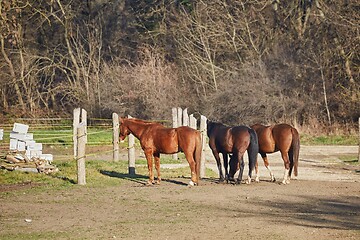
25, 153
20, 162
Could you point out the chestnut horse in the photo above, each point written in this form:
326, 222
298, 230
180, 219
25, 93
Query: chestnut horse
155, 139
283, 138
234, 140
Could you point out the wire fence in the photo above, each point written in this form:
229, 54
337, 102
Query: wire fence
56, 135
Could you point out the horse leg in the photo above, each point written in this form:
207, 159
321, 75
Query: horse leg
291, 158
257, 179
266, 163
157, 167
218, 162
189, 157
285, 157
240, 158
149, 159
233, 163
225, 157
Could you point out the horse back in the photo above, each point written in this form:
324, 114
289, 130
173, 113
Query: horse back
160, 139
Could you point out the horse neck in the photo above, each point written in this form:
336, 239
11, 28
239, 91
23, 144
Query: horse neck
137, 128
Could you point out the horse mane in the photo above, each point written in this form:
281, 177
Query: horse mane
141, 121
212, 124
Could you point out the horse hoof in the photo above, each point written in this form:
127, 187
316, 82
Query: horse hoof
191, 183
231, 179
257, 179
284, 182
150, 183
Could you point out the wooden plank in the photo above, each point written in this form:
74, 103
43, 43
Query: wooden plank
115, 118
81, 141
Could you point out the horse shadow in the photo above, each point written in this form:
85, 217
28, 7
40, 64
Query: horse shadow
66, 179
137, 178
126, 176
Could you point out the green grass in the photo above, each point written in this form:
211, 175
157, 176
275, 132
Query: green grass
96, 136
307, 139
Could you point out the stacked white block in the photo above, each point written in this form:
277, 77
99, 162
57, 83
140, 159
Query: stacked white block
20, 128
18, 136
22, 141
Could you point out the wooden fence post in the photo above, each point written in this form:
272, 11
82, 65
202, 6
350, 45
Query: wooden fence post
76, 121
179, 116
115, 118
131, 153
203, 141
174, 125
84, 120
359, 143
193, 121
185, 118
81, 143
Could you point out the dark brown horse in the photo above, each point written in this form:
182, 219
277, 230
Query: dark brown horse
234, 140
283, 138
155, 139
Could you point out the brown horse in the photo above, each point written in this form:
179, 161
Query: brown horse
155, 139
234, 140
283, 138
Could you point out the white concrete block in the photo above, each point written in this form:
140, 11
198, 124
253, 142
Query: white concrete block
48, 157
22, 136
30, 143
35, 153
21, 146
13, 144
20, 128
35, 146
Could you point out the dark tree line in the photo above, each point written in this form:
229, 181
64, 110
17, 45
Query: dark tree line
233, 61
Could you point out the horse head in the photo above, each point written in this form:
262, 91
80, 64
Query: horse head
123, 129
209, 126
212, 126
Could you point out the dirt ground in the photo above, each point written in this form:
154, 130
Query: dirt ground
322, 203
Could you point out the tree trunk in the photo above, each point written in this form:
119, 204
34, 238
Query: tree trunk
13, 75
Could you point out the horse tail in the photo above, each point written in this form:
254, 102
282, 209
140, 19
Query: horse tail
197, 154
295, 145
253, 149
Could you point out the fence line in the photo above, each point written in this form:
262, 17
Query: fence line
62, 135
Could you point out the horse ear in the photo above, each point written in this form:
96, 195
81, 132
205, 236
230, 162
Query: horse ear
121, 120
